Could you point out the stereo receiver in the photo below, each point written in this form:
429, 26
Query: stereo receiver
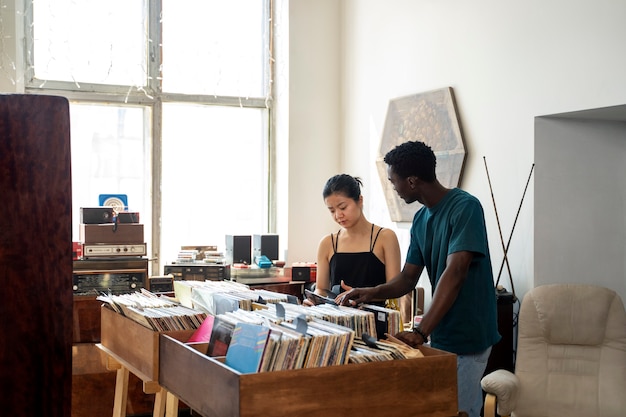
94, 277
111, 250
113, 282
198, 272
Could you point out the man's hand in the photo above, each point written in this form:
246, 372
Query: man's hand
410, 338
353, 296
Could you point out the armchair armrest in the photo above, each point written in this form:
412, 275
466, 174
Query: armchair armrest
504, 385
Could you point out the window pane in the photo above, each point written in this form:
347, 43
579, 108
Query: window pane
215, 47
100, 42
214, 175
109, 156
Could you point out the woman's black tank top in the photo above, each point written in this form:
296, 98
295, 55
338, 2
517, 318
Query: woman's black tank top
356, 269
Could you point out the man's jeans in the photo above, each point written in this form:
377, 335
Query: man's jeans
470, 370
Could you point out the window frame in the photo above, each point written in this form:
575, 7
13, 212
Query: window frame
153, 97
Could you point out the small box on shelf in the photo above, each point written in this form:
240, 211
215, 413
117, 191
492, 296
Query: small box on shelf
304, 271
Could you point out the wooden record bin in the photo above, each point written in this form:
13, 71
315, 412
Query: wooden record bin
412, 387
137, 345
417, 387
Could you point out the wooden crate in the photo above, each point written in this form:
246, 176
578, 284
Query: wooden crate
135, 344
413, 387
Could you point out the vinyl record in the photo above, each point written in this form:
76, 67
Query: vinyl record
119, 202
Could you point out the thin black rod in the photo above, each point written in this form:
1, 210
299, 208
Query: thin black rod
499, 228
508, 243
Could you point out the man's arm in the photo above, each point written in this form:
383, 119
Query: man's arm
448, 287
401, 284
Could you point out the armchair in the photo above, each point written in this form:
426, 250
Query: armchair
571, 356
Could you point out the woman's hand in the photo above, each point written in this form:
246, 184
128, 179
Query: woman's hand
345, 287
341, 297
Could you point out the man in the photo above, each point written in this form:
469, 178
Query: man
449, 238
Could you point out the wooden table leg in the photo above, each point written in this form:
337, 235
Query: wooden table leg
121, 392
159, 403
171, 405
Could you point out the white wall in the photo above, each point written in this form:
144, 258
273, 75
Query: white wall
507, 63
580, 202
314, 131
11, 56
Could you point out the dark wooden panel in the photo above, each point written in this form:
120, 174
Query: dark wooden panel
35, 256
86, 323
292, 288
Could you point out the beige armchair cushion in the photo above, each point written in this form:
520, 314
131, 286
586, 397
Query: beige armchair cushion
561, 319
571, 355
504, 385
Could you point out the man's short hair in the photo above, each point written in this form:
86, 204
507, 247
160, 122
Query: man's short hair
413, 158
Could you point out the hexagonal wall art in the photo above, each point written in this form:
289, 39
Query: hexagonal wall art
432, 118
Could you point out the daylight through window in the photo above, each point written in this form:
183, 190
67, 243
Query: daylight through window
170, 105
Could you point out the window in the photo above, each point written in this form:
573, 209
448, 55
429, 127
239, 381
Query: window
170, 105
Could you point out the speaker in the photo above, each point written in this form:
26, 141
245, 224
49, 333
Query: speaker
265, 245
239, 249
96, 215
301, 273
128, 217
502, 354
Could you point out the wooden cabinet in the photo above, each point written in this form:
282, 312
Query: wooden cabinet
35, 256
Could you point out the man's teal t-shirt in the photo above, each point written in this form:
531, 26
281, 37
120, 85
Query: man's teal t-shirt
457, 224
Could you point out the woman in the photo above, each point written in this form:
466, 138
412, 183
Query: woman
360, 253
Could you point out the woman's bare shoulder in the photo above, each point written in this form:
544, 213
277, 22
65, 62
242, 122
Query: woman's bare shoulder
387, 233
389, 240
325, 248
327, 240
